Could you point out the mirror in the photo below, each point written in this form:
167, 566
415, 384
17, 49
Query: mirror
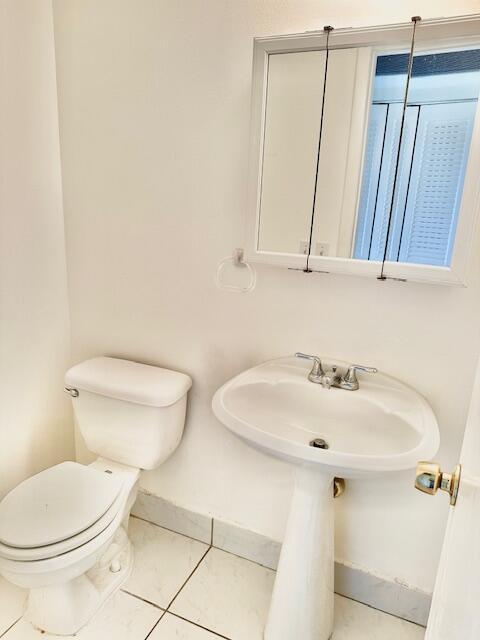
292, 128
331, 190
314, 126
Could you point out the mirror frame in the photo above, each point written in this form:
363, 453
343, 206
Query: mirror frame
434, 34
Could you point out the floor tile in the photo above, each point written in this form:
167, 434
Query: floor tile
12, 602
165, 514
163, 561
123, 618
355, 621
228, 595
173, 628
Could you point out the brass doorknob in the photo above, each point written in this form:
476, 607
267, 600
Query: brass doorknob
430, 479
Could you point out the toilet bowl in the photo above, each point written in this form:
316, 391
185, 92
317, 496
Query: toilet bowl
64, 531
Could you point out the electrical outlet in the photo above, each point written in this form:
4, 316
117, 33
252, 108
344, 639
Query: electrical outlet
304, 247
322, 248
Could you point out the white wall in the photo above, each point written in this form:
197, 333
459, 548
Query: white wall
154, 102
35, 416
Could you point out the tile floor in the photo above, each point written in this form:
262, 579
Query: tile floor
182, 589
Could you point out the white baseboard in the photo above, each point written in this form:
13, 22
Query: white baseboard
387, 595
246, 544
169, 516
352, 582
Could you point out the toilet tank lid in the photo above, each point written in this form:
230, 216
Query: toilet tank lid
129, 381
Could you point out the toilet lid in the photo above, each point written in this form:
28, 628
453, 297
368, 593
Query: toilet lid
22, 554
56, 504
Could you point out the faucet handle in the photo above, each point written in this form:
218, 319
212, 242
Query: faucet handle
350, 379
362, 367
317, 369
306, 356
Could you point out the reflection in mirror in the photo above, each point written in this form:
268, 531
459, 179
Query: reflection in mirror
292, 127
380, 157
351, 219
441, 108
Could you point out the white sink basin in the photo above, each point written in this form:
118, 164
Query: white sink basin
384, 426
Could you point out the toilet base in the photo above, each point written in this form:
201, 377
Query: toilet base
63, 609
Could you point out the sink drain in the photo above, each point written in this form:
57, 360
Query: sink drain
319, 443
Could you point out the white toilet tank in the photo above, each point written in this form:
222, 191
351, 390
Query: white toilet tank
129, 412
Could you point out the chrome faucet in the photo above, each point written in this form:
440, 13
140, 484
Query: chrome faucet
330, 377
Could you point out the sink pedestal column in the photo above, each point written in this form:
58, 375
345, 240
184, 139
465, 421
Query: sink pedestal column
302, 600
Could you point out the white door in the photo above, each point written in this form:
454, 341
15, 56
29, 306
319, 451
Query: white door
455, 613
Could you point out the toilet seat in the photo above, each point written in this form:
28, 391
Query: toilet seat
76, 561
22, 554
59, 510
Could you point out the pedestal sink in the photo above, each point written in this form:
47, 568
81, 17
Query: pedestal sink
383, 427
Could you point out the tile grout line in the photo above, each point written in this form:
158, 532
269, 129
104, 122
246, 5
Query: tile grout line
391, 615
155, 625
235, 555
134, 595
210, 544
174, 597
188, 579
10, 627
195, 624
161, 526
167, 609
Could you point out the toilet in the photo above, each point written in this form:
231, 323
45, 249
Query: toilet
64, 531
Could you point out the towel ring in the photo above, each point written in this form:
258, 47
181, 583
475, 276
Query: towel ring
238, 260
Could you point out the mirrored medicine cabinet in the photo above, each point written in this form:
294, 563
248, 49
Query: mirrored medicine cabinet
365, 150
